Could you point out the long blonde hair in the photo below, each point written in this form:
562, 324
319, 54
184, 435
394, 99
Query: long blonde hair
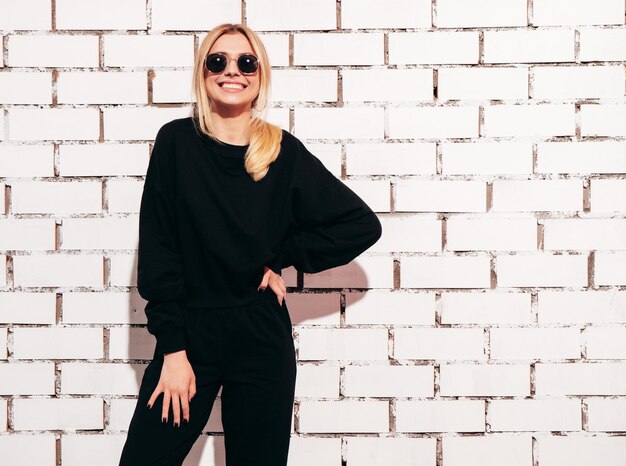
265, 137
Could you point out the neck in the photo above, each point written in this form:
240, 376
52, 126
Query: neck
231, 126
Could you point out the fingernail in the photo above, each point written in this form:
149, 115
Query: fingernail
164, 420
185, 421
176, 424
149, 407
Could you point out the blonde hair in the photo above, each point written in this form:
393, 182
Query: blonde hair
265, 137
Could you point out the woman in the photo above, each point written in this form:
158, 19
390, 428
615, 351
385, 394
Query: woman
228, 201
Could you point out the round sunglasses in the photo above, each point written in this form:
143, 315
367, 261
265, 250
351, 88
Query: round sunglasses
217, 62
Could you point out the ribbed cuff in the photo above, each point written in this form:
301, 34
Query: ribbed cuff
171, 342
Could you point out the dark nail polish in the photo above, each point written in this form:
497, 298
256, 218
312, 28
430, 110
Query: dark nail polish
164, 420
149, 407
185, 421
176, 424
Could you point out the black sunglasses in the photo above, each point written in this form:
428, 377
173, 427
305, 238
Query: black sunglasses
216, 63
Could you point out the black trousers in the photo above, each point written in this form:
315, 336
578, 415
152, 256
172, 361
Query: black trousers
249, 352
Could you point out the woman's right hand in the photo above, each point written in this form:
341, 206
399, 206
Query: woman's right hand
177, 383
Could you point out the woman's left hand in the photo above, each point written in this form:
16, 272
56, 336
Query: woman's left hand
275, 282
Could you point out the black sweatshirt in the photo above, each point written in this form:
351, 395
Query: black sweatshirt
206, 229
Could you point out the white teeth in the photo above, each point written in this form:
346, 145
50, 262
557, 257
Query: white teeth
232, 86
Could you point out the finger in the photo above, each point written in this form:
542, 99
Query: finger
166, 405
155, 395
184, 401
176, 409
264, 282
192, 389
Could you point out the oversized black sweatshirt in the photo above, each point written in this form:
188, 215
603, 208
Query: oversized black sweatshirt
206, 229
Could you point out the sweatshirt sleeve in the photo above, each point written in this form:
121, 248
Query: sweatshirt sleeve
159, 265
333, 224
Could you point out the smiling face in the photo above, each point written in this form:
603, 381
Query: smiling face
231, 90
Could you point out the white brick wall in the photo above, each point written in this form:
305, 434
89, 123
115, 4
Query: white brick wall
487, 327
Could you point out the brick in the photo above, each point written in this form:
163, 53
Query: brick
445, 272
24, 87
398, 158
175, 86
58, 414
97, 87
29, 378
533, 415
56, 197
26, 307
28, 448
54, 124
577, 82
31, 15
482, 83
94, 15
359, 14
364, 344
537, 195
339, 123
535, 343
107, 159
602, 44
101, 233
484, 380
581, 157
480, 13
485, 158
317, 381
314, 308
606, 414
368, 451
313, 451
193, 15
602, 120
388, 85
580, 450
409, 233
529, 46
400, 308
124, 195
27, 234
82, 449
388, 381
138, 123
131, 343
338, 48
433, 122
608, 195
261, 15
609, 268
537, 120
487, 308
437, 47
438, 343
123, 270
440, 416
541, 270
440, 196
58, 343
364, 272
581, 307
26, 160
53, 50
585, 234
58, 270
110, 307
580, 378
605, 342
148, 50
344, 416
491, 234
488, 450
304, 85
81, 378
575, 12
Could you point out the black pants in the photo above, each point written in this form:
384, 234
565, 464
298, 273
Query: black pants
249, 352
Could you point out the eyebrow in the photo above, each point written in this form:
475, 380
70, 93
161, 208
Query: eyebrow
242, 53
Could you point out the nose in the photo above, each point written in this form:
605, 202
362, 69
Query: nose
231, 67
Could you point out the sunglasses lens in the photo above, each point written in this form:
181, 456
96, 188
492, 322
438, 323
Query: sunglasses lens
247, 64
215, 63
